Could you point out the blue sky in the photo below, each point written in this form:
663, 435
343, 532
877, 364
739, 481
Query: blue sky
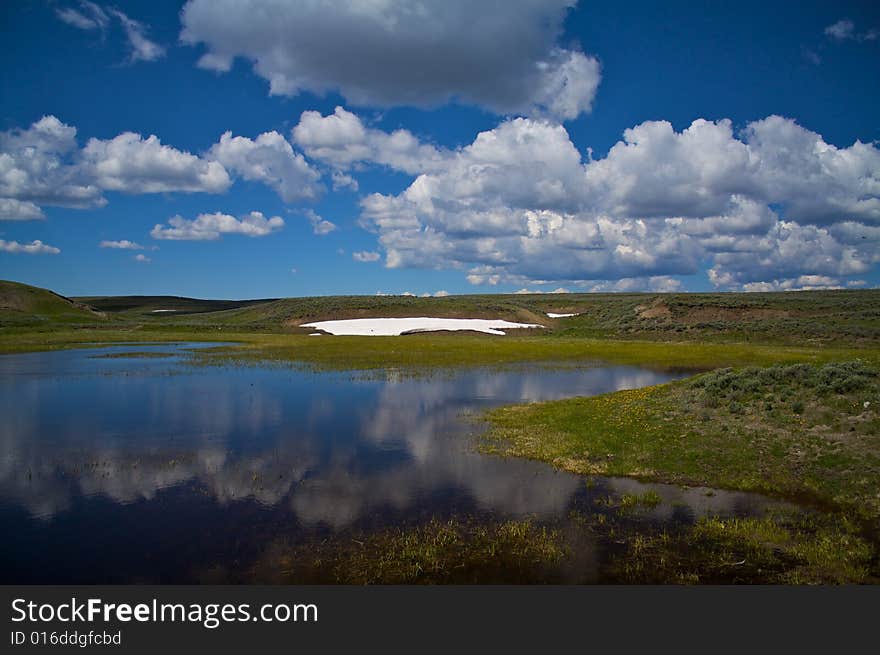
588, 173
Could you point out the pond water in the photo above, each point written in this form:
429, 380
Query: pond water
130, 464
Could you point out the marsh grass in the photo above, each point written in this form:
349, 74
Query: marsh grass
775, 549
137, 354
455, 551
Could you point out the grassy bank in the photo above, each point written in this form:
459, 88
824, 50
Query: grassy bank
804, 432
807, 433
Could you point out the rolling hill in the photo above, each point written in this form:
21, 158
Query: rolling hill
24, 305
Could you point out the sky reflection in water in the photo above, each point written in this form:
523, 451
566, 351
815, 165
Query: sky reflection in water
144, 469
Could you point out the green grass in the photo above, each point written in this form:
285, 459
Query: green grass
22, 305
799, 431
649, 500
426, 351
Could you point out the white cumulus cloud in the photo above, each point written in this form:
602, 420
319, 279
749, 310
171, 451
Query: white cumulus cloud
504, 56
123, 244
37, 167
36, 247
209, 227
520, 205
269, 159
365, 256
133, 164
320, 226
19, 210
342, 140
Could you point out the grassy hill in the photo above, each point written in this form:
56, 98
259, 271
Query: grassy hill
24, 305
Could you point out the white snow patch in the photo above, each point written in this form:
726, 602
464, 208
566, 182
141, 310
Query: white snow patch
158, 311
388, 327
315, 334
552, 315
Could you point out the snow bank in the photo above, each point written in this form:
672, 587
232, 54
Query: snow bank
552, 315
397, 326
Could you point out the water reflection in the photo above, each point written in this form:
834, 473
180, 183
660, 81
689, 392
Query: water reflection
215, 461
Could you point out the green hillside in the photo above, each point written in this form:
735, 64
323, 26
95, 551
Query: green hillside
24, 305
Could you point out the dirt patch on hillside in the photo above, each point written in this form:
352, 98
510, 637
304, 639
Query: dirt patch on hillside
657, 309
708, 314
13, 302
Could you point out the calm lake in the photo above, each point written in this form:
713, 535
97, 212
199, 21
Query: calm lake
130, 464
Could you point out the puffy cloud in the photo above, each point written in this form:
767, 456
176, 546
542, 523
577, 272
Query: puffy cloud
320, 226
33, 248
140, 47
341, 140
209, 227
365, 256
567, 86
343, 181
656, 171
519, 205
789, 250
528, 292
816, 181
123, 244
141, 258
503, 56
18, 210
43, 165
656, 284
269, 159
133, 164
36, 168
88, 17
801, 283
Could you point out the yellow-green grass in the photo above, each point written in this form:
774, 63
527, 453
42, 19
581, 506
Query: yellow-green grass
436, 350
783, 548
455, 551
